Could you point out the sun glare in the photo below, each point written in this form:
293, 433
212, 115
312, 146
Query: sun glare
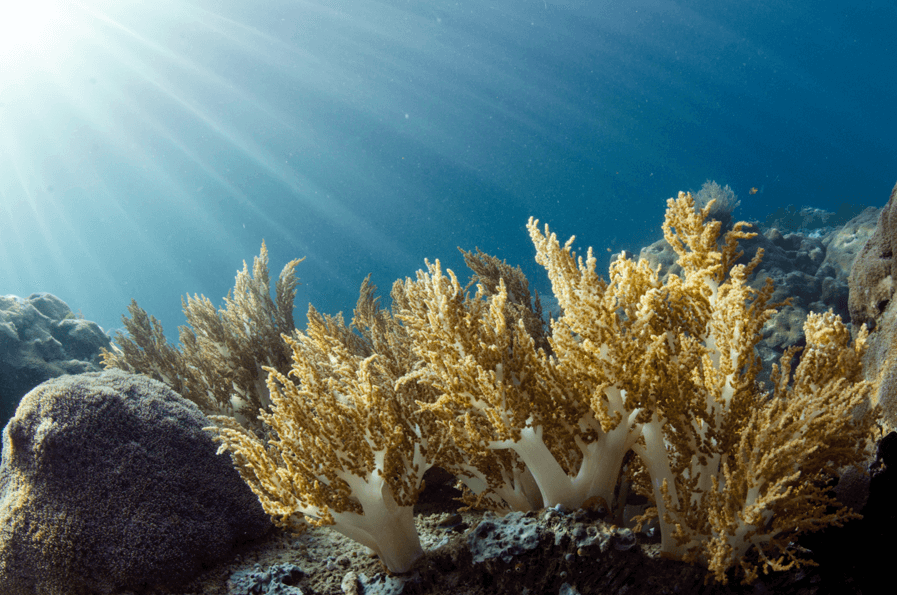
32, 30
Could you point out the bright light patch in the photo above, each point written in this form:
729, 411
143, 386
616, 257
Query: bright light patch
33, 30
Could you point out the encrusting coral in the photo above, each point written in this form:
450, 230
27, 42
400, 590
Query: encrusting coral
219, 364
640, 382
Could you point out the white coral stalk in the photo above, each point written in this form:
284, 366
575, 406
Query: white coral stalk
497, 392
350, 446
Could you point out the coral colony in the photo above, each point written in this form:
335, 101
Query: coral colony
639, 381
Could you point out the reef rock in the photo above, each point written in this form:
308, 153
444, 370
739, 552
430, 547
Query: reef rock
40, 338
109, 482
871, 293
810, 220
811, 267
873, 273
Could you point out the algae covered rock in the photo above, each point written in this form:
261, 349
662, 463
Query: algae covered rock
108, 481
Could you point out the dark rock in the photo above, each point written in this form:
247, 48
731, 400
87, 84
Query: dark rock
108, 481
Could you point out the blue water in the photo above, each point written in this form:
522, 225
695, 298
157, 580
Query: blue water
147, 148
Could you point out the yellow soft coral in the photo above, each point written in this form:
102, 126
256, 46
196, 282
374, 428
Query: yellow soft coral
663, 369
772, 484
747, 468
219, 364
350, 447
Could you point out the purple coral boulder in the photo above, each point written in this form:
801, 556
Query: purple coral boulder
108, 482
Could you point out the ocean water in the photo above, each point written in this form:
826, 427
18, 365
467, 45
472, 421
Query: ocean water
147, 148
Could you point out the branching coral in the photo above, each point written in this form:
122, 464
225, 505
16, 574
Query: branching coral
473, 361
498, 392
219, 364
664, 369
489, 271
745, 468
351, 445
772, 483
